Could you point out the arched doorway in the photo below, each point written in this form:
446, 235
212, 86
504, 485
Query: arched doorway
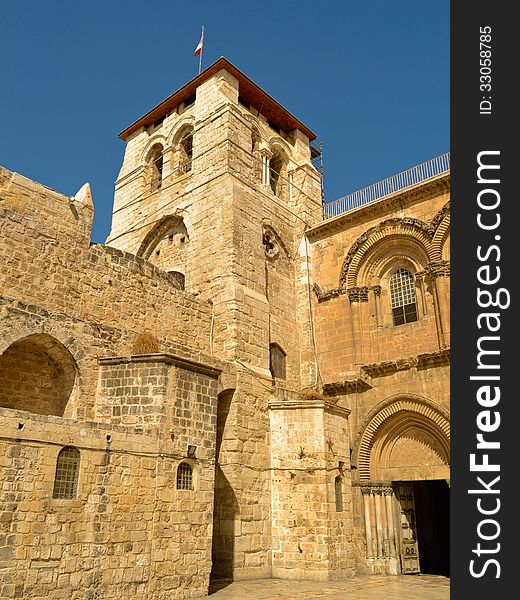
38, 374
402, 460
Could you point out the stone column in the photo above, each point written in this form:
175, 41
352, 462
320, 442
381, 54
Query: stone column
380, 527
356, 296
376, 294
440, 272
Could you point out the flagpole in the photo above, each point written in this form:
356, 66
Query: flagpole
201, 50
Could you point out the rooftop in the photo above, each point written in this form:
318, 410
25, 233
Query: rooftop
249, 91
396, 183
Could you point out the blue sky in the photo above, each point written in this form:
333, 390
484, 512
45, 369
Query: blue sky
370, 78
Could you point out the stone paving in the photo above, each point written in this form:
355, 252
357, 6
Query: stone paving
409, 587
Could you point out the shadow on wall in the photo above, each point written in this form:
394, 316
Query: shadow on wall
225, 509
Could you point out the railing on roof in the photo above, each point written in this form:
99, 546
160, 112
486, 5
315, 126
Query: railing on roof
400, 181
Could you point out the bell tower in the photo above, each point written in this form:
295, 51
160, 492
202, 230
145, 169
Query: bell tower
218, 187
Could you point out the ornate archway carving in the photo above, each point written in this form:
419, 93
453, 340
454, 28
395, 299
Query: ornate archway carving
407, 227
418, 418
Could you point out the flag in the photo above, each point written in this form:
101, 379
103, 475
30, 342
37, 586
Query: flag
198, 49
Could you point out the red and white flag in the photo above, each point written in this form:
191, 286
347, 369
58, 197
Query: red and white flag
198, 49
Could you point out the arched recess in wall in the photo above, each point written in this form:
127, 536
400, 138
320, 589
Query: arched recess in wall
279, 170
154, 163
38, 374
166, 246
393, 233
182, 150
403, 438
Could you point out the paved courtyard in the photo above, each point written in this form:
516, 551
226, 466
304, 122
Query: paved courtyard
408, 587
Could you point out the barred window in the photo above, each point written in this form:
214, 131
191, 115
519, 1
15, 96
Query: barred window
277, 361
402, 295
67, 473
184, 477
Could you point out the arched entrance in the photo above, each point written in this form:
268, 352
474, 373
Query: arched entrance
402, 460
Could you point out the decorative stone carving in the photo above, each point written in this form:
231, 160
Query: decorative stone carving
358, 294
323, 295
438, 269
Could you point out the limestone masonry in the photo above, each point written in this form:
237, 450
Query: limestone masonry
233, 386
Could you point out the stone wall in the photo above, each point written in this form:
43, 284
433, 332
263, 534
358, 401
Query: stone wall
128, 533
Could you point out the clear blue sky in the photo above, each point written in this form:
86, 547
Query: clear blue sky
371, 78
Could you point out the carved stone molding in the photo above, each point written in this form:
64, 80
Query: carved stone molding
438, 268
439, 217
390, 366
349, 386
409, 224
377, 290
358, 294
376, 488
323, 295
434, 359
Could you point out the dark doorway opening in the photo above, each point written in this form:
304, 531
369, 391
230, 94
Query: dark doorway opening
432, 513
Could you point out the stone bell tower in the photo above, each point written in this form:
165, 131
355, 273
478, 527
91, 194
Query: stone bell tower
218, 187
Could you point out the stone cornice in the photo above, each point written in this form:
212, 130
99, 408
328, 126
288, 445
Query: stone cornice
309, 404
363, 383
323, 295
439, 184
389, 366
441, 358
348, 386
168, 359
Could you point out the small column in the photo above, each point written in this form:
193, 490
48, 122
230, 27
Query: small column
376, 291
439, 272
392, 539
266, 155
365, 490
419, 278
356, 295
380, 525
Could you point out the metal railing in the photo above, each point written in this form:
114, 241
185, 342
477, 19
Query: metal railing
400, 181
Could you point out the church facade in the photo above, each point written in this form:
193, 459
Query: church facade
241, 382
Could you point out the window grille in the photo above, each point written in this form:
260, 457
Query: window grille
402, 295
67, 473
277, 361
184, 477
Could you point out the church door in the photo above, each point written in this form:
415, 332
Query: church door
408, 530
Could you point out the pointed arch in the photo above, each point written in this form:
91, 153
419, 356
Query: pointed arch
422, 420
162, 228
408, 230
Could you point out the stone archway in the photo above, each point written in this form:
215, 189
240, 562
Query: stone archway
400, 430
38, 375
402, 449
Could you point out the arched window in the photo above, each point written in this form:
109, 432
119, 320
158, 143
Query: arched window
277, 361
67, 474
402, 296
184, 477
155, 166
276, 165
186, 151
338, 492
